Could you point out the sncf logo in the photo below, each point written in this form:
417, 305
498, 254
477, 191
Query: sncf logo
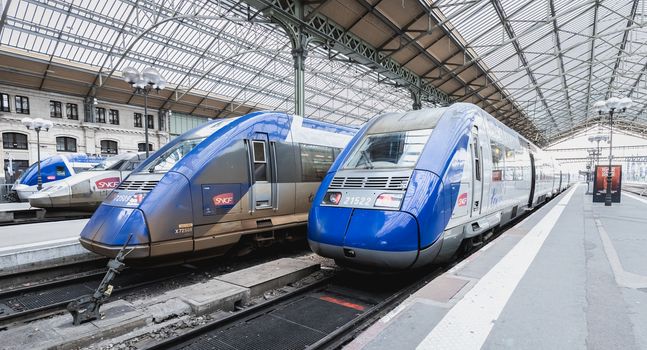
462, 199
109, 183
223, 199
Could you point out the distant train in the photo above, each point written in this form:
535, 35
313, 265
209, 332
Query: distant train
231, 180
53, 168
86, 190
410, 188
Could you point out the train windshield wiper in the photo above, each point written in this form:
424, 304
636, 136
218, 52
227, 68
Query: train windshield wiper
369, 164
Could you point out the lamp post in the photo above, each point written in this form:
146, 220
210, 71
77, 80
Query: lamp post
597, 139
610, 106
143, 83
37, 124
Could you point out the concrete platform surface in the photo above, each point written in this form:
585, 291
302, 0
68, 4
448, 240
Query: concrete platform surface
32, 246
122, 317
270, 275
12, 211
16, 206
573, 275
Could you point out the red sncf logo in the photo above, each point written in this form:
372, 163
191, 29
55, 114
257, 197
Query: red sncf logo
223, 199
109, 183
462, 200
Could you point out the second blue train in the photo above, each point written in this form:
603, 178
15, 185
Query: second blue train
411, 188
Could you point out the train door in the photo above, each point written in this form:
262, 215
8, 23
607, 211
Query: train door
477, 173
532, 180
262, 174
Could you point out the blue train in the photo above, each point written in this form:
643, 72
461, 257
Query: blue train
231, 181
410, 188
53, 168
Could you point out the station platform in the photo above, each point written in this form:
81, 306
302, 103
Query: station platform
573, 275
12, 211
29, 247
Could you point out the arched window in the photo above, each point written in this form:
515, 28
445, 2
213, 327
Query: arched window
14, 140
65, 144
108, 147
141, 147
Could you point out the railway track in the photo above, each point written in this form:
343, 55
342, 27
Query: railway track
34, 295
322, 315
37, 300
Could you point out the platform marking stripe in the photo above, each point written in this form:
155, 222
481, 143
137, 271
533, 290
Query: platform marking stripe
39, 244
342, 303
468, 324
623, 277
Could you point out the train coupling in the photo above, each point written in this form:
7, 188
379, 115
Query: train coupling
86, 308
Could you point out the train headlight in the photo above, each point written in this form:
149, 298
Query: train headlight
389, 200
333, 198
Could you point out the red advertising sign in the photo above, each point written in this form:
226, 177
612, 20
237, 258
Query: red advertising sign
224, 199
109, 183
600, 184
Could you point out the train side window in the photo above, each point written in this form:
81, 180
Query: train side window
497, 161
60, 171
260, 161
315, 161
477, 158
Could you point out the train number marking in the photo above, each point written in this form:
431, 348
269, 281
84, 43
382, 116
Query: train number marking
462, 199
223, 199
184, 228
357, 200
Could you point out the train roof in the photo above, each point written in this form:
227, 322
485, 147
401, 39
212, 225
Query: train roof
426, 118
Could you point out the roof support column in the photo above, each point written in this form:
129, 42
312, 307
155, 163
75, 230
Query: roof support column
299, 40
299, 54
416, 96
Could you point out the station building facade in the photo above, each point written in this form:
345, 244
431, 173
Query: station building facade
80, 125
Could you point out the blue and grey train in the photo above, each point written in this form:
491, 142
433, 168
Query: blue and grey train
231, 181
53, 168
411, 187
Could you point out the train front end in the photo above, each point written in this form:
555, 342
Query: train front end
376, 209
150, 211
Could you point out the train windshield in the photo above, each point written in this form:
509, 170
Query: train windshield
167, 160
399, 149
112, 163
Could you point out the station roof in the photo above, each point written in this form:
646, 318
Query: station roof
217, 62
537, 65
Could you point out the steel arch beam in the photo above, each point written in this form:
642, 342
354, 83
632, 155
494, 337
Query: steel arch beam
338, 38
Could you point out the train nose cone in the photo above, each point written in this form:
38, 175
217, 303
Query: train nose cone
364, 237
384, 239
24, 191
110, 228
40, 200
44, 197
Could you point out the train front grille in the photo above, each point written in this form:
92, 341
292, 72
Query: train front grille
370, 182
145, 186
